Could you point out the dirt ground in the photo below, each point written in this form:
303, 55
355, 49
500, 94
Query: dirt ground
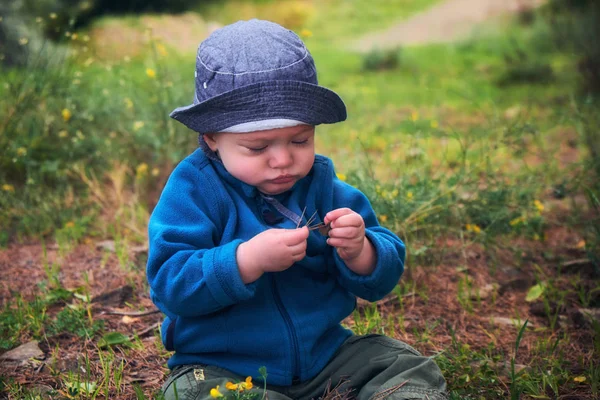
447, 21
431, 315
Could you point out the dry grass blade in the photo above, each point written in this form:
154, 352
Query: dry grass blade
337, 393
387, 392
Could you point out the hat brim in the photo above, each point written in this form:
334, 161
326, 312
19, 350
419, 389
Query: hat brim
311, 104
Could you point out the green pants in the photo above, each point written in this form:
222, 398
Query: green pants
371, 367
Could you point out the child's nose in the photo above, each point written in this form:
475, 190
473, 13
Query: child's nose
280, 158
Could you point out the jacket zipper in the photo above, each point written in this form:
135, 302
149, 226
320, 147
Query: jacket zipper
291, 331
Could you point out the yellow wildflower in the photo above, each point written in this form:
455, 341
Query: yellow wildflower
214, 392
151, 73
8, 188
248, 383
383, 218
305, 33
538, 204
63, 134
53, 15
341, 177
231, 386
66, 114
473, 228
128, 103
579, 379
137, 125
70, 225
434, 124
21, 151
394, 193
517, 221
162, 50
155, 172
141, 169
409, 195
414, 116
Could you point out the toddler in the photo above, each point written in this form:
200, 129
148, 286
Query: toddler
236, 262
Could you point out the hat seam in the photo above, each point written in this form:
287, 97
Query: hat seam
254, 72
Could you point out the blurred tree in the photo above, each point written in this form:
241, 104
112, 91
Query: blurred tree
576, 28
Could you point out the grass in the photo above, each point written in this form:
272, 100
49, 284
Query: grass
483, 175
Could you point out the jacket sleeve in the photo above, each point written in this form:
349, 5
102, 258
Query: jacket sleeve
188, 272
389, 248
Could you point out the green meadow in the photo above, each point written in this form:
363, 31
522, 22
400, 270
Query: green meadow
482, 153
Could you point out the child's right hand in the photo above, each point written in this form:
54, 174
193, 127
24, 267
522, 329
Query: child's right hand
273, 250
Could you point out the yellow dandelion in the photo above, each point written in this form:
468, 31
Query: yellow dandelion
70, 225
8, 188
414, 116
248, 383
341, 177
66, 114
137, 125
475, 228
383, 218
63, 134
214, 392
128, 103
151, 73
21, 151
409, 195
538, 204
579, 379
305, 33
23, 41
141, 169
155, 172
434, 124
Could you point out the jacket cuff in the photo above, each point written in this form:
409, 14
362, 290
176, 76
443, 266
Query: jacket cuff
374, 286
223, 277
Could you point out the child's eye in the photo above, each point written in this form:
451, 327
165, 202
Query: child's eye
300, 142
257, 149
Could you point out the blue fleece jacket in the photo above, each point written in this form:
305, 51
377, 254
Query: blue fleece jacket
287, 321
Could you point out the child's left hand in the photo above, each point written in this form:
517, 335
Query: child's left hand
347, 232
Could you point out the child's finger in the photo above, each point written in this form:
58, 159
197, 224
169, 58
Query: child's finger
348, 232
353, 219
295, 236
335, 214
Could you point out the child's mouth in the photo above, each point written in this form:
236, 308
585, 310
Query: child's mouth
283, 179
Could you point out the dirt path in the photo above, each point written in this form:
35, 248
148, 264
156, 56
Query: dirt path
445, 22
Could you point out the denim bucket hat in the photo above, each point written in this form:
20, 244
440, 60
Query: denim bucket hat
254, 71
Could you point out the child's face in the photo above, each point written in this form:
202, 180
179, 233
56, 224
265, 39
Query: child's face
271, 160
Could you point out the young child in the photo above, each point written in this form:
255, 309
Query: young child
243, 282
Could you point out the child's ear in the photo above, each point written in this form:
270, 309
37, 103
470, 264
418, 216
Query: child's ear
210, 139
